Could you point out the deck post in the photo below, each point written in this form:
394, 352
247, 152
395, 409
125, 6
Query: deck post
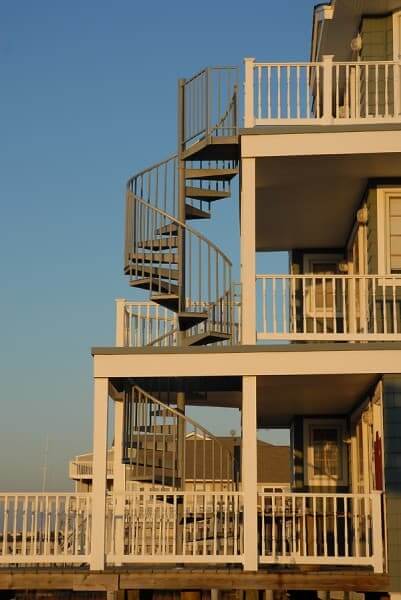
377, 532
249, 473
100, 410
248, 265
328, 88
249, 109
119, 477
120, 323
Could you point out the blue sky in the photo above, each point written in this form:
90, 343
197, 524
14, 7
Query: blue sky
88, 97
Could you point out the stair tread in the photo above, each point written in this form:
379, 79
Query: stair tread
156, 257
170, 301
214, 148
204, 194
171, 228
145, 269
193, 212
166, 243
188, 319
211, 174
208, 337
155, 285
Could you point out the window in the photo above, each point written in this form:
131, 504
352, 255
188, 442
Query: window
394, 232
325, 452
321, 289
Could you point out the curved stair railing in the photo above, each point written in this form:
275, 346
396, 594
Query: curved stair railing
168, 449
183, 270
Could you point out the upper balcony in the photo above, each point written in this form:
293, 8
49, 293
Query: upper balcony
322, 93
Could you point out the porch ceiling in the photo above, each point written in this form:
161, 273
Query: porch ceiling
338, 32
310, 201
280, 398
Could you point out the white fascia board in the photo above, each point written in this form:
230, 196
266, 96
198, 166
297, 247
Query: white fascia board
248, 363
319, 143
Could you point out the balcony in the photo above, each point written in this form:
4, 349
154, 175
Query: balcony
329, 307
321, 93
84, 469
193, 527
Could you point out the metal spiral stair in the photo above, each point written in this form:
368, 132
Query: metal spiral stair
153, 432
183, 270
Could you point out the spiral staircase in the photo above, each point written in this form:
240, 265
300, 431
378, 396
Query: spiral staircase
183, 270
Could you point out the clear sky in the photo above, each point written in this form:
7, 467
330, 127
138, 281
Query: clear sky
88, 97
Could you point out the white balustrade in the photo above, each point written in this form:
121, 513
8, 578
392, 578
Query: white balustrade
149, 324
326, 529
328, 307
84, 469
45, 528
321, 92
169, 527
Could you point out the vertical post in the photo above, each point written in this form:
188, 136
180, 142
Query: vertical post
397, 89
181, 197
120, 323
119, 475
248, 263
180, 471
377, 533
328, 88
249, 108
100, 410
249, 473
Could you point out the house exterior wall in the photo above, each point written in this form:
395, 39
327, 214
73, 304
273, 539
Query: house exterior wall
377, 37
392, 468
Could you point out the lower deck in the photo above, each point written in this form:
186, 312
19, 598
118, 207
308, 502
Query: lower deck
113, 580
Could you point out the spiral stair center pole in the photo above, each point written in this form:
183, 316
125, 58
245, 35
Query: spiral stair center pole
182, 306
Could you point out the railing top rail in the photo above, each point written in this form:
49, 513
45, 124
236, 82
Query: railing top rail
171, 158
189, 229
320, 63
288, 64
384, 276
209, 69
165, 492
320, 495
46, 494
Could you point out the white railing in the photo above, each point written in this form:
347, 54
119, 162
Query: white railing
329, 307
84, 469
321, 92
145, 323
169, 527
326, 529
45, 528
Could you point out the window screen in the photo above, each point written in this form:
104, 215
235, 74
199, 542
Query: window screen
326, 452
395, 233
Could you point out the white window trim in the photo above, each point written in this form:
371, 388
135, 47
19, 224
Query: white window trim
383, 228
310, 478
308, 260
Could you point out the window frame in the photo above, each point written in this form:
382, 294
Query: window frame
310, 478
308, 261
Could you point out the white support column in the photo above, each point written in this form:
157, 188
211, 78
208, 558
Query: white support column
249, 473
119, 475
100, 410
248, 259
378, 547
249, 108
328, 88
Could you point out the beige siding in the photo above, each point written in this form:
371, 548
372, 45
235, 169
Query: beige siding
371, 203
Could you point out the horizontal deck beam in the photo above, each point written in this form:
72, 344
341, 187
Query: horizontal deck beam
116, 579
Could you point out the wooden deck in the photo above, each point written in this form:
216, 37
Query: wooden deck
185, 579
